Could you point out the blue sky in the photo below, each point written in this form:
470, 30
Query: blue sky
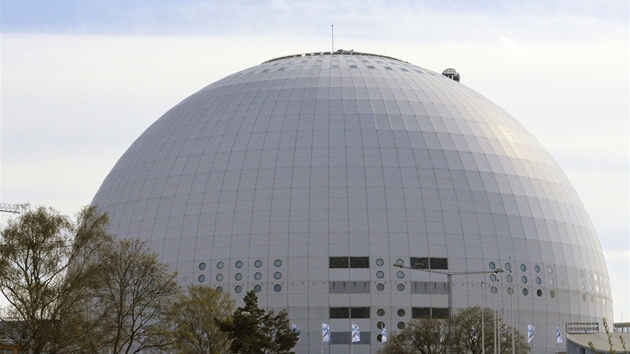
80, 80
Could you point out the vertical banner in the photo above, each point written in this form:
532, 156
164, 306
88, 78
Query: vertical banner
325, 332
356, 335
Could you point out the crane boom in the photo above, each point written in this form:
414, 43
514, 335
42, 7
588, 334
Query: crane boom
13, 208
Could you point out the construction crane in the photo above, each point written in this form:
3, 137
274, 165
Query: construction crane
13, 208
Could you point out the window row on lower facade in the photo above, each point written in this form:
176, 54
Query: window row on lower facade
364, 312
364, 262
363, 287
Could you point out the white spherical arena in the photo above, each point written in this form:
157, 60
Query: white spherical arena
307, 177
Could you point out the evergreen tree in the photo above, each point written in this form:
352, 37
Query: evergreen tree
253, 330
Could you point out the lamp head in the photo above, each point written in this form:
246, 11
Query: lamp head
399, 263
499, 270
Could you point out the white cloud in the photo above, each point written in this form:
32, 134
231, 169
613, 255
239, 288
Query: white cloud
513, 47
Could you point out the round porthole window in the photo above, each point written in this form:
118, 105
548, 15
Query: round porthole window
277, 288
380, 287
380, 262
401, 325
277, 275
257, 276
258, 263
525, 292
400, 312
537, 268
219, 289
257, 288
238, 264
523, 267
400, 287
380, 325
524, 279
539, 292
380, 274
238, 276
277, 263
220, 265
552, 293
491, 265
219, 277
201, 278
400, 274
238, 289
508, 266
380, 312
202, 266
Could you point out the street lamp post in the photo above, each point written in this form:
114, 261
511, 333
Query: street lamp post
401, 264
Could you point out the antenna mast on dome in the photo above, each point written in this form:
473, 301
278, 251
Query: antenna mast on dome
332, 34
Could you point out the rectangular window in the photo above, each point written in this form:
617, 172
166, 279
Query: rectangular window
338, 262
339, 312
344, 337
429, 312
438, 263
349, 262
420, 312
359, 262
429, 263
439, 313
435, 288
419, 263
360, 312
349, 287
350, 312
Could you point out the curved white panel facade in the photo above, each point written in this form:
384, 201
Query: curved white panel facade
305, 178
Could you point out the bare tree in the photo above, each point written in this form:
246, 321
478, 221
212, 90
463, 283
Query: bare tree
467, 331
128, 311
193, 315
424, 336
46, 266
463, 335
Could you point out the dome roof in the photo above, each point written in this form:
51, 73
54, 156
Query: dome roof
305, 159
